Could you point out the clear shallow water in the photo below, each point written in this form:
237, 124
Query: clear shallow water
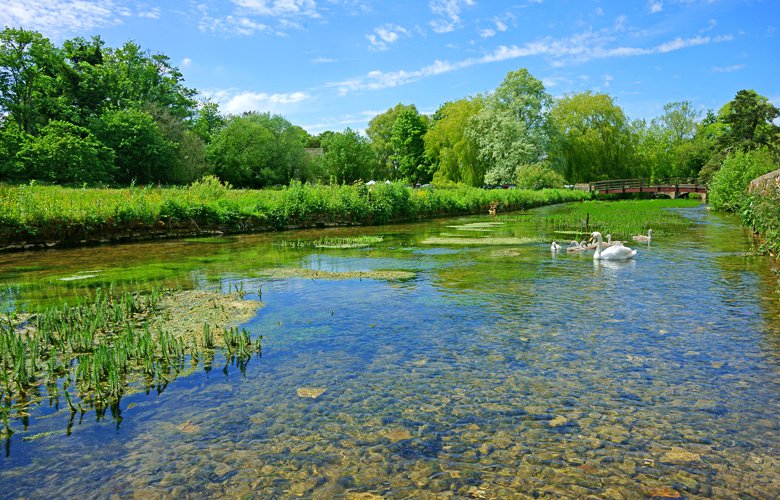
499, 371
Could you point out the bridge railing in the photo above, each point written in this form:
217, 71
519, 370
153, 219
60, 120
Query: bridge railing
651, 184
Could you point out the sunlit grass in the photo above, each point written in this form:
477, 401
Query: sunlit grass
621, 219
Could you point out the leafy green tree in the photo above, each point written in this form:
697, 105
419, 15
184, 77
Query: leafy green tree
512, 128
133, 77
257, 150
81, 80
380, 131
454, 153
593, 138
188, 158
409, 147
750, 121
347, 156
142, 153
28, 63
207, 120
66, 153
11, 140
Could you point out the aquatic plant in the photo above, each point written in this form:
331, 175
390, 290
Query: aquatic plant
335, 242
97, 350
620, 218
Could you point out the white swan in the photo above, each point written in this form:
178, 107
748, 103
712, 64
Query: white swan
615, 252
554, 247
644, 239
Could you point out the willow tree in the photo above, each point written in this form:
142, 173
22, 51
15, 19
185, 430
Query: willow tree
593, 139
456, 154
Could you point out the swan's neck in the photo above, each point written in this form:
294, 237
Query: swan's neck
598, 249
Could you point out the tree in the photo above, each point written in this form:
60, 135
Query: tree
142, 153
27, 69
133, 77
347, 156
188, 158
750, 121
409, 147
257, 150
207, 120
454, 153
66, 153
593, 138
380, 131
512, 128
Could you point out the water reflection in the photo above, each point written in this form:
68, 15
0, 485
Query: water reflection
497, 372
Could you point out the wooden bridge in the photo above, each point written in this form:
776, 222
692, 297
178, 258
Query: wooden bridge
674, 188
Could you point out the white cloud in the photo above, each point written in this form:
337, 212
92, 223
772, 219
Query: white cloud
235, 102
385, 35
60, 18
249, 17
186, 62
279, 8
607, 79
56, 17
448, 12
152, 13
728, 69
560, 52
500, 26
656, 7
323, 60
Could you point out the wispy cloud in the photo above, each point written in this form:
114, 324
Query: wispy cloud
728, 69
323, 60
448, 14
236, 102
279, 8
560, 52
656, 7
248, 17
499, 26
56, 17
186, 62
385, 35
356, 121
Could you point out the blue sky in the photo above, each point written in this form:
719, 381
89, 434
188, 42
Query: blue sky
332, 64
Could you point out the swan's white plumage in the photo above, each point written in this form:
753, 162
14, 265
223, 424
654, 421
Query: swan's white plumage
615, 252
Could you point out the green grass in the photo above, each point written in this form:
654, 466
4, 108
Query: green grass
621, 219
32, 213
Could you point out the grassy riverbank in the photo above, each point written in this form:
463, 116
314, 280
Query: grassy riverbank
37, 216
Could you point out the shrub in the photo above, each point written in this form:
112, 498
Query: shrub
538, 176
729, 185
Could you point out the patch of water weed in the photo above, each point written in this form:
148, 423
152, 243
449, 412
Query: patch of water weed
622, 219
214, 240
285, 272
112, 343
334, 242
455, 240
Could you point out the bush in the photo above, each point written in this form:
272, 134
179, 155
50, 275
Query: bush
537, 176
729, 185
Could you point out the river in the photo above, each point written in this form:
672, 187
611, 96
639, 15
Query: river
497, 371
